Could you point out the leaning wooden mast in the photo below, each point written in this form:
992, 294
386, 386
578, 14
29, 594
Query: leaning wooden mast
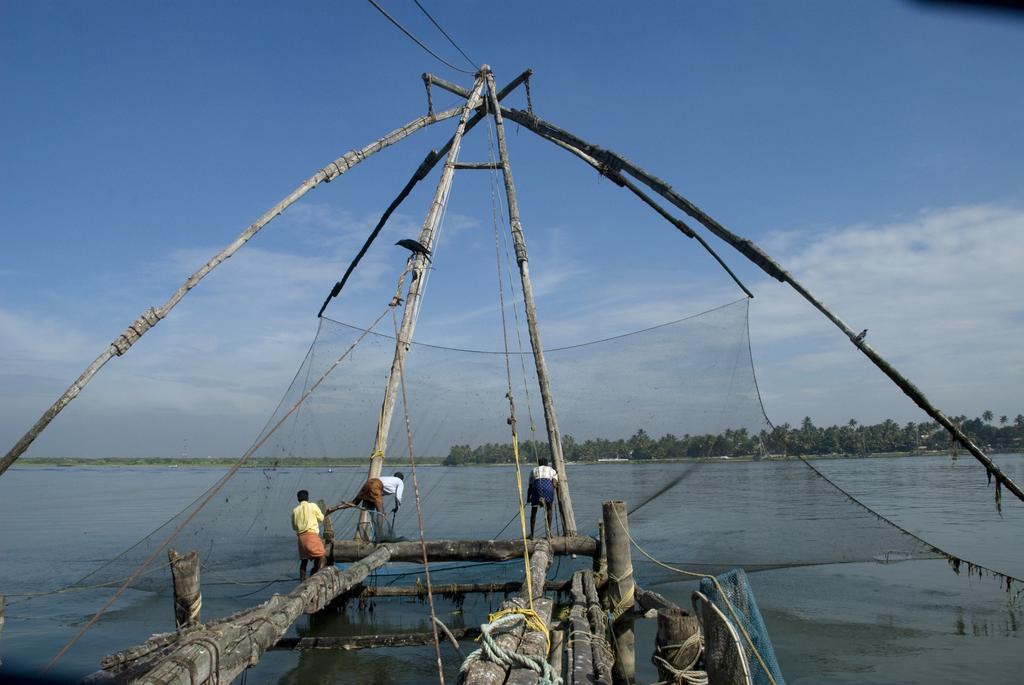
550, 419
414, 295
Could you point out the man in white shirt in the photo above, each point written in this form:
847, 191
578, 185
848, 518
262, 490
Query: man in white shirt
542, 492
371, 496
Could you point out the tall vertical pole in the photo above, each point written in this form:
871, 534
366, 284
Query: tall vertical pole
413, 297
620, 590
551, 421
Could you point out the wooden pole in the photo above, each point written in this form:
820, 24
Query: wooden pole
673, 649
465, 550
580, 667
152, 316
413, 299
188, 599
619, 589
454, 589
598, 628
220, 651
550, 419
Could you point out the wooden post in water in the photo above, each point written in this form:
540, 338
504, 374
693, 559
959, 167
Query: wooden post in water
188, 599
550, 420
413, 298
328, 535
674, 647
619, 590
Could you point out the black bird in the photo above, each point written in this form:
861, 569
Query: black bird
860, 336
414, 246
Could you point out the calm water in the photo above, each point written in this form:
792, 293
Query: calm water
835, 615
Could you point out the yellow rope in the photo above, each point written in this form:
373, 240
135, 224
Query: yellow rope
533, 621
721, 593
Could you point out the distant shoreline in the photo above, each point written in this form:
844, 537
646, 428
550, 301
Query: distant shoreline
215, 462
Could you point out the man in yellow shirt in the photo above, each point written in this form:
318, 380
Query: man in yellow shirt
306, 519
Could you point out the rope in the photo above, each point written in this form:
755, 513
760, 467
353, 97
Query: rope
433, 21
417, 40
721, 593
624, 603
671, 659
501, 623
213, 493
419, 513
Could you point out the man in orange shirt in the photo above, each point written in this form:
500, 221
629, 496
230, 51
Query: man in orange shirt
306, 519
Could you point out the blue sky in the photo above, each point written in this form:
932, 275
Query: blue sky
873, 148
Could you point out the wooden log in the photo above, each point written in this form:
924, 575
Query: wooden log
464, 550
413, 298
600, 565
448, 589
555, 654
152, 316
543, 380
620, 589
580, 668
222, 652
648, 599
188, 598
354, 642
534, 643
477, 165
675, 647
483, 672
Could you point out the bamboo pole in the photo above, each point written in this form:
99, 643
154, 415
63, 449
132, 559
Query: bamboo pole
188, 599
620, 589
413, 297
465, 550
550, 419
221, 652
152, 316
425, 167
756, 255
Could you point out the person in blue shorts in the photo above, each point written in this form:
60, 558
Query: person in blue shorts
542, 492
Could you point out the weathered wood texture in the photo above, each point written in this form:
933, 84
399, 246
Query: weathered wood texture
597, 618
450, 589
580, 665
557, 650
353, 642
724, 655
648, 599
188, 599
152, 316
413, 298
464, 550
620, 589
543, 380
518, 639
224, 649
675, 647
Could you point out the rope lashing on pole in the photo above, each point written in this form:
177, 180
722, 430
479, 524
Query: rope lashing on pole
504, 622
680, 660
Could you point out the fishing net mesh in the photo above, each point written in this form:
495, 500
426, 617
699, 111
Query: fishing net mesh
683, 390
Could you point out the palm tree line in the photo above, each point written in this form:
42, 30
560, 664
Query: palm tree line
850, 439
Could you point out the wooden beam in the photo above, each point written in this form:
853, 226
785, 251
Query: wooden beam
672, 652
222, 650
543, 380
464, 550
352, 642
477, 165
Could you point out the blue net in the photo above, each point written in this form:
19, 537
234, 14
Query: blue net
737, 590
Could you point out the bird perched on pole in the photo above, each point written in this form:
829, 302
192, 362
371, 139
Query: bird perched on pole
860, 337
414, 246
